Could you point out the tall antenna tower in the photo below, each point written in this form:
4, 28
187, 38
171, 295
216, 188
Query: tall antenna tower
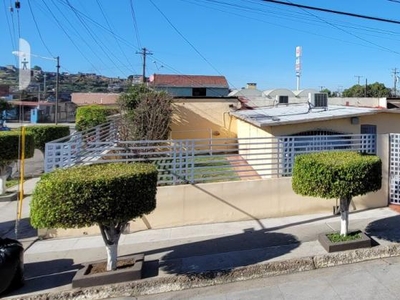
299, 51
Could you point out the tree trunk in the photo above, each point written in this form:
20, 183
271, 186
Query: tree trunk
112, 254
3, 179
344, 215
111, 234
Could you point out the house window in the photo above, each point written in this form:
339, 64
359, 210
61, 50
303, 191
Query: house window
283, 100
368, 129
199, 92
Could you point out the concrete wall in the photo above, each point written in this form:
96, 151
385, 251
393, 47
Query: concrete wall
202, 118
231, 201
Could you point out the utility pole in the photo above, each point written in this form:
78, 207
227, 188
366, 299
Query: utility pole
144, 52
358, 78
366, 86
395, 72
321, 87
57, 88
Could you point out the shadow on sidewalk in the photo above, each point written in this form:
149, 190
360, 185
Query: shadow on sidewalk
385, 229
228, 252
25, 230
44, 275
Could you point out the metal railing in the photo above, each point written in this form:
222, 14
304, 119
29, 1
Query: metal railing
199, 160
83, 146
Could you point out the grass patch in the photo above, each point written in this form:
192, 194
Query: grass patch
11, 183
337, 238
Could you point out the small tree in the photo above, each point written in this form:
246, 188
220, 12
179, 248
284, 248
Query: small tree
108, 195
92, 115
146, 114
43, 134
9, 152
342, 175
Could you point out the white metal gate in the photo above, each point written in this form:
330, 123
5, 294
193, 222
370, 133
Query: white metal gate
394, 169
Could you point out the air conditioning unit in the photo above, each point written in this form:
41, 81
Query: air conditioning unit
318, 100
282, 99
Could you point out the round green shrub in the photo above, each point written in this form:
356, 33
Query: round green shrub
9, 145
92, 115
47, 133
336, 174
94, 194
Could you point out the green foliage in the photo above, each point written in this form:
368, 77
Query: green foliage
147, 114
47, 133
9, 141
338, 174
94, 194
92, 115
338, 238
373, 90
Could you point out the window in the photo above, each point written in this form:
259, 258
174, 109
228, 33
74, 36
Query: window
199, 92
283, 100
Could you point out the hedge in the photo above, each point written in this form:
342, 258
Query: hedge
94, 194
337, 174
9, 141
47, 133
92, 115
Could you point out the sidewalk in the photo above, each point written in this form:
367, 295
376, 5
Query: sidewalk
51, 264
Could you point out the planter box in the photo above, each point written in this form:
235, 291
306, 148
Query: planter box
9, 196
363, 242
83, 279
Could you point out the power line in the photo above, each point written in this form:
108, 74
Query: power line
334, 11
135, 26
37, 28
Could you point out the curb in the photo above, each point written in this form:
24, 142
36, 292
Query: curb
194, 280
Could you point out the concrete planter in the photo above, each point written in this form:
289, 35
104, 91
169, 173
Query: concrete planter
363, 242
83, 279
9, 196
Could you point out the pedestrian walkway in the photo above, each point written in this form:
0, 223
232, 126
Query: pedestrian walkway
51, 264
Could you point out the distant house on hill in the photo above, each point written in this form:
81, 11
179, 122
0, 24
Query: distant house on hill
190, 85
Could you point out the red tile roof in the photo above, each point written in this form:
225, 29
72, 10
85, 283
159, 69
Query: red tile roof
165, 80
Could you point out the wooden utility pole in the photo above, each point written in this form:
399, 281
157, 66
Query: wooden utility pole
144, 52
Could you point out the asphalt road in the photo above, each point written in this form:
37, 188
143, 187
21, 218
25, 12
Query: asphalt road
376, 279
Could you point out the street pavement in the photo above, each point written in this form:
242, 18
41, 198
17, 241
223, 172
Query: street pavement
377, 279
51, 264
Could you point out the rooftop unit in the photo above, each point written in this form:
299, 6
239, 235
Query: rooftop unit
318, 100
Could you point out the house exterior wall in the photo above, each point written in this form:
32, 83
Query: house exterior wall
202, 119
94, 98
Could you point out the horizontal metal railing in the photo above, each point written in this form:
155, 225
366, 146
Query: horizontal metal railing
201, 160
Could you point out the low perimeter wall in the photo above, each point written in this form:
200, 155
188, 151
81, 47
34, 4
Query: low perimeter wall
228, 202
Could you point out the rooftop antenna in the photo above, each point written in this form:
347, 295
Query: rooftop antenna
299, 53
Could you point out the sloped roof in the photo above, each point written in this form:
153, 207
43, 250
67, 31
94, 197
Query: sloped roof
166, 80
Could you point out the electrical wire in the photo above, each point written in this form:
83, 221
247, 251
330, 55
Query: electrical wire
38, 30
135, 25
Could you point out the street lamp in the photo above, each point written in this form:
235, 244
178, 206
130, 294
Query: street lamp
57, 59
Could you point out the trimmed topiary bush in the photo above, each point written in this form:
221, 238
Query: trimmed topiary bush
9, 152
92, 115
338, 174
108, 195
46, 133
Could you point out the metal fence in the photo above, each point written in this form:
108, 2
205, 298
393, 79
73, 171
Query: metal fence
198, 160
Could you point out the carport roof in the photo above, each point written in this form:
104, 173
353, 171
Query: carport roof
293, 114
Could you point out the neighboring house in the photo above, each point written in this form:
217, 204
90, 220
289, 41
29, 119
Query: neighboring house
190, 85
4, 90
81, 99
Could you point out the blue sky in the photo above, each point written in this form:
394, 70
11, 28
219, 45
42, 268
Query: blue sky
244, 40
